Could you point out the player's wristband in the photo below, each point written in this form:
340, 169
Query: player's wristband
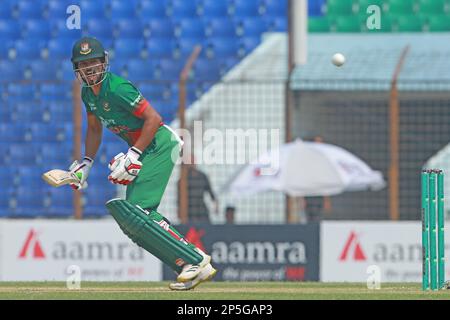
89, 162
136, 150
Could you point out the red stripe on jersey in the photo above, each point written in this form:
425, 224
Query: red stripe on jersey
134, 136
174, 234
141, 108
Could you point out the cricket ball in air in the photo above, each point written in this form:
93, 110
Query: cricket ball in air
338, 59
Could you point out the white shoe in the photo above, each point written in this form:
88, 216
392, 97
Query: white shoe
190, 271
207, 273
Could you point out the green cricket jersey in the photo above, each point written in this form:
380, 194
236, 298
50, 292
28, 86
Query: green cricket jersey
118, 106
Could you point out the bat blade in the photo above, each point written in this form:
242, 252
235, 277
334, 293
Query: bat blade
57, 177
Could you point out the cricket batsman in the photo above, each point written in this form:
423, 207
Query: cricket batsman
144, 168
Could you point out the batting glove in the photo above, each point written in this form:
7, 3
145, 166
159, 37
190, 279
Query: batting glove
125, 167
81, 170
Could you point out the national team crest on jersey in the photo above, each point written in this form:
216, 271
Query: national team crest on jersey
106, 106
85, 48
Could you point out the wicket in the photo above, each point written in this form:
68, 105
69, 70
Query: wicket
433, 245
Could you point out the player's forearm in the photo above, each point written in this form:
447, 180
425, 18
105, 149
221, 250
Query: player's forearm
93, 141
151, 125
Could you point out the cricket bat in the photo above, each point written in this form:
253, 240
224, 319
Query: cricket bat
57, 177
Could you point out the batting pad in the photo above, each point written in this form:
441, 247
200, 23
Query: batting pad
153, 234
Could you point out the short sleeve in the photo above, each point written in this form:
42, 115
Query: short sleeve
129, 98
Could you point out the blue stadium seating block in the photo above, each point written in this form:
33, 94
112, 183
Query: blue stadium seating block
150, 9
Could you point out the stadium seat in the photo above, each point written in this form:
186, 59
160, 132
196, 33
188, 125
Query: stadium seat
160, 28
185, 46
167, 110
26, 50
21, 154
5, 203
207, 70
348, 24
99, 174
9, 30
139, 70
69, 132
36, 29
93, 9
59, 154
431, 6
55, 91
278, 8
58, 49
7, 173
30, 176
169, 69
108, 136
58, 111
227, 64
11, 101
180, 9
29, 10
160, 48
5, 46
60, 30
96, 198
102, 29
102, 158
155, 91
220, 27
65, 72
316, 8
4, 152
149, 9
48, 132
213, 9
129, 28
12, 132
318, 24
123, 9
401, 7
439, 23
246, 45
339, 7
61, 202
42, 71
190, 28
30, 203
6, 10
220, 48
5, 114
194, 89
128, 48
23, 91
25, 112
9, 179
110, 150
276, 24
118, 67
56, 9
409, 23
244, 8
250, 27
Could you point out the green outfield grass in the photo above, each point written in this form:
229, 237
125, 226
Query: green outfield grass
215, 291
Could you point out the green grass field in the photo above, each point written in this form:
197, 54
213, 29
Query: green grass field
215, 291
